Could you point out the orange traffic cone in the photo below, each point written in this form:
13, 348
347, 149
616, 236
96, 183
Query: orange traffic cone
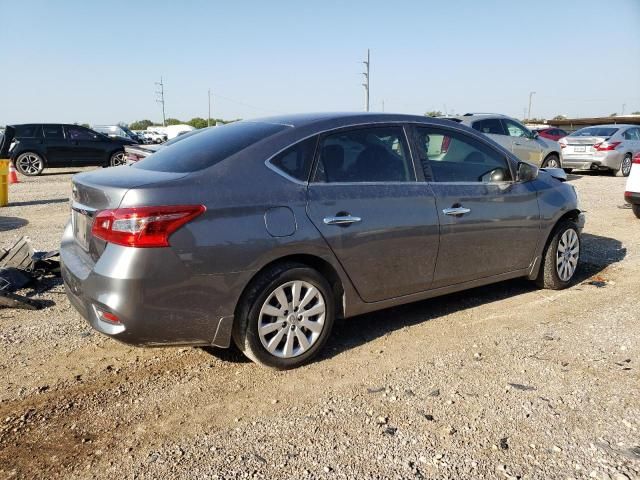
13, 176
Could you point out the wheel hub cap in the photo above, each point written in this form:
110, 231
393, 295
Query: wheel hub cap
291, 319
567, 255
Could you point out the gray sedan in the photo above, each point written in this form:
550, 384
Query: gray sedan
264, 232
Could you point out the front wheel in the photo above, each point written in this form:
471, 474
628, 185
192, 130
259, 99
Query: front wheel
552, 161
636, 209
285, 317
117, 159
561, 257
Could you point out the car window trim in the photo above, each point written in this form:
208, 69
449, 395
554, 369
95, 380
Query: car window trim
510, 162
284, 174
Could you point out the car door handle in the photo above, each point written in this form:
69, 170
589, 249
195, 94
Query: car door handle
341, 220
455, 211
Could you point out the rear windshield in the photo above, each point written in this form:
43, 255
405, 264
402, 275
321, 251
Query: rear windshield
208, 148
595, 132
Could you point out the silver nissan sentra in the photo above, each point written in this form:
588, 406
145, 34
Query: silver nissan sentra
264, 232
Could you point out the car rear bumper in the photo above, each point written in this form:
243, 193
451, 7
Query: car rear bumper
596, 160
153, 294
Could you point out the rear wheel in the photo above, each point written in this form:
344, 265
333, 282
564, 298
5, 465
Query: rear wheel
552, 161
561, 257
625, 166
117, 159
636, 209
285, 317
30, 164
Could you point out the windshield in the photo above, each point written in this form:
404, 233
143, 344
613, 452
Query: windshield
595, 132
197, 152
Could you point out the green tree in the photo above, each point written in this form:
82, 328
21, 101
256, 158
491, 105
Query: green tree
433, 113
140, 124
635, 113
173, 121
559, 117
613, 114
198, 122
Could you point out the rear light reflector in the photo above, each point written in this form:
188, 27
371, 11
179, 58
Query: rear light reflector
636, 158
143, 227
606, 146
107, 316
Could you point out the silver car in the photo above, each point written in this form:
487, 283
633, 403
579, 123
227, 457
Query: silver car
528, 146
264, 232
603, 147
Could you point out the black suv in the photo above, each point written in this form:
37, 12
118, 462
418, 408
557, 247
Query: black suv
39, 145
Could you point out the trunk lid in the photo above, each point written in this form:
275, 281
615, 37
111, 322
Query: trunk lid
105, 189
580, 146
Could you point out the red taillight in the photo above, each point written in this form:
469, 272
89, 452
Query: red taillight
143, 227
132, 157
636, 158
445, 144
605, 146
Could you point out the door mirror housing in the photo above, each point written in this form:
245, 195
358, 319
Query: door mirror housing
527, 172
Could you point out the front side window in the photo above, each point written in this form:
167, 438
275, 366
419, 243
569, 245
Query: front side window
515, 129
490, 125
53, 132
79, 133
448, 156
376, 154
296, 161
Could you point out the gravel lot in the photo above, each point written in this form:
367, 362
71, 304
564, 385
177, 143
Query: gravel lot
504, 381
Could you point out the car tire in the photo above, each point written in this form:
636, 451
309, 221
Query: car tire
288, 338
117, 158
558, 269
29, 163
625, 166
568, 170
636, 209
552, 161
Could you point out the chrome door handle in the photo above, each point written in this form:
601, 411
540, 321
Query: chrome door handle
342, 220
456, 211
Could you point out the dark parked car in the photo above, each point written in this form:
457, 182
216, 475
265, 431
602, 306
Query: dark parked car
554, 134
38, 145
265, 231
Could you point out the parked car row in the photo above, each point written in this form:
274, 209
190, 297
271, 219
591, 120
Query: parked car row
150, 137
264, 232
632, 189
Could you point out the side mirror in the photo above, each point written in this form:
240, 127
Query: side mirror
527, 172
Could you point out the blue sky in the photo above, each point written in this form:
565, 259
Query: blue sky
96, 61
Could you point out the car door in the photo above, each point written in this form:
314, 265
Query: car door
86, 146
379, 221
57, 148
523, 144
489, 224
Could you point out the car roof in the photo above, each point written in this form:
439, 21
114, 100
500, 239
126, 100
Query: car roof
610, 125
308, 119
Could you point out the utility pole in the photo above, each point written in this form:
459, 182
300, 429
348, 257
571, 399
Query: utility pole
209, 115
366, 82
160, 99
623, 105
382, 106
531, 94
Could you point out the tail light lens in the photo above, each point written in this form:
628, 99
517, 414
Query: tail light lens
132, 157
636, 158
143, 227
606, 146
446, 141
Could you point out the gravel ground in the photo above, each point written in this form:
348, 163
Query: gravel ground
504, 381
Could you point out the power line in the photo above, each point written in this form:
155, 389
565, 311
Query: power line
160, 99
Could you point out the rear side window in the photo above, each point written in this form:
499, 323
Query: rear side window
53, 131
208, 148
631, 134
490, 125
296, 161
448, 156
28, 131
377, 154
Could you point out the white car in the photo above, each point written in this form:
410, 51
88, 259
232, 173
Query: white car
632, 190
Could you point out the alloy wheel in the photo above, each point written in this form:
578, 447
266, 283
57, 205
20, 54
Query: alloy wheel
29, 164
291, 319
626, 166
118, 159
552, 163
567, 254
